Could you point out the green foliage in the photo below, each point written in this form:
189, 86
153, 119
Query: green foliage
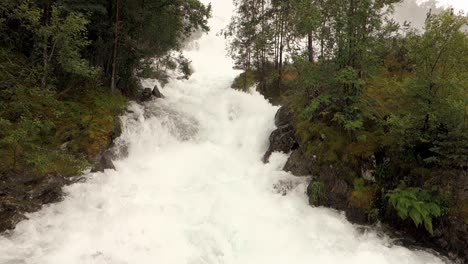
315, 191
433, 123
348, 76
450, 149
152, 35
244, 81
417, 204
43, 135
91, 122
67, 33
348, 123
317, 102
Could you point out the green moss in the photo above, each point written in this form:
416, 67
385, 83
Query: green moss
42, 134
363, 195
91, 128
327, 143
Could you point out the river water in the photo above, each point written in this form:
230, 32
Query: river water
193, 190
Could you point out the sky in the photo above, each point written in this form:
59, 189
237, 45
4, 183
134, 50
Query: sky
415, 11
457, 4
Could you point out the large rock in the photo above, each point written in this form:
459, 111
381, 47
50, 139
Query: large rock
283, 116
283, 139
26, 193
156, 93
146, 95
104, 161
298, 164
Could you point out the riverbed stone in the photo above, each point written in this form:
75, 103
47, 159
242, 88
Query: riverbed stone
296, 164
156, 92
283, 139
146, 94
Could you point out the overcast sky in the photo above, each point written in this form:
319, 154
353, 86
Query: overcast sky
457, 4
415, 11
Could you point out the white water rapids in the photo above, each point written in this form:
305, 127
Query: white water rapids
193, 190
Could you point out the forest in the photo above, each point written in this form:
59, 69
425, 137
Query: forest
366, 92
67, 68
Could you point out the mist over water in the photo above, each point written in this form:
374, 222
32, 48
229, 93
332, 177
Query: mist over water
193, 190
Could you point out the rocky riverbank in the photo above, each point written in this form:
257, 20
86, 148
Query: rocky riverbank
23, 192
26, 192
355, 191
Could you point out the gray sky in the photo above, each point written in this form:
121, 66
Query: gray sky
416, 14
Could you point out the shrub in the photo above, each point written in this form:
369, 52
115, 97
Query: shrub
417, 204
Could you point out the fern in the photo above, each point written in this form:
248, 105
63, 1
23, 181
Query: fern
417, 204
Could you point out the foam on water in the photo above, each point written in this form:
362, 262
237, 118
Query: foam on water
193, 190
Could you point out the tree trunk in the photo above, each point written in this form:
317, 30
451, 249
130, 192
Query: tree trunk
281, 50
116, 43
45, 50
45, 61
310, 47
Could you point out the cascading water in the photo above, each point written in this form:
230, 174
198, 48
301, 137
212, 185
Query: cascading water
193, 190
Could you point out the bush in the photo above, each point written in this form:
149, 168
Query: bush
417, 204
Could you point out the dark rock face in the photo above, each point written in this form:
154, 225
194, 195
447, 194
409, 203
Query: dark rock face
104, 161
336, 191
283, 117
156, 93
145, 95
148, 94
296, 164
283, 139
24, 193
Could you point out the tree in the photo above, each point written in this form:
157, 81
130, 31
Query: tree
438, 90
116, 42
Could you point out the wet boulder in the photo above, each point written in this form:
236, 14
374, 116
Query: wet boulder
283, 116
283, 139
156, 93
298, 164
146, 95
104, 161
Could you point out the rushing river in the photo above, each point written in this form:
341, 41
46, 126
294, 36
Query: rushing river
193, 190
